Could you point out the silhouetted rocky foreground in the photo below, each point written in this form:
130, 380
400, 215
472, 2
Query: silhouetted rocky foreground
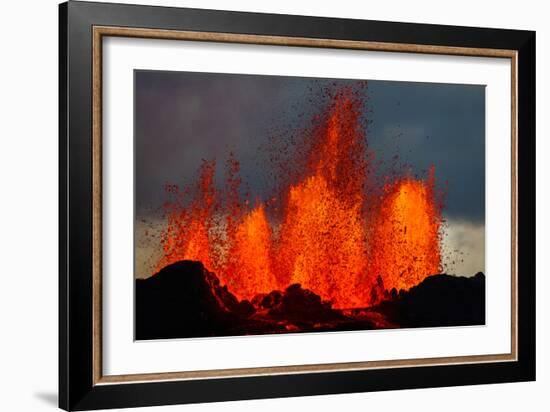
186, 300
439, 300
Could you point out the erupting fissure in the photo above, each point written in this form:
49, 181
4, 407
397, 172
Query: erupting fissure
337, 231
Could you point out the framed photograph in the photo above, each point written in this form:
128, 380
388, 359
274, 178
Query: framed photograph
257, 205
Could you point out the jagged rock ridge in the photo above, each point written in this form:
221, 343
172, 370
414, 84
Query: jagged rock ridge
186, 300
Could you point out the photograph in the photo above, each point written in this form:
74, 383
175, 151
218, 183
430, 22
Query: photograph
273, 204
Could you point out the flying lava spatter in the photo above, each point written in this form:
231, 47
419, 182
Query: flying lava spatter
337, 233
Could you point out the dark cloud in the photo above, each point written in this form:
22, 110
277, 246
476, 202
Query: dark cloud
439, 124
181, 118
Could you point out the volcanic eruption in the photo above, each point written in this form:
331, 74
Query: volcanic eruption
333, 225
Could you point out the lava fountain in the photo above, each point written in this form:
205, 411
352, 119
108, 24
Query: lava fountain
337, 231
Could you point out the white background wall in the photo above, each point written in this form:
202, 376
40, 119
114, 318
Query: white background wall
28, 203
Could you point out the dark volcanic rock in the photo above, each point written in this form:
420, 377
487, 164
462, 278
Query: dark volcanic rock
299, 306
302, 310
186, 300
180, 300
439, 300
267, 300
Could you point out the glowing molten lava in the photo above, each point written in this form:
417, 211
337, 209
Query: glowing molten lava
251, 255
332, 229
406, 230
187, 235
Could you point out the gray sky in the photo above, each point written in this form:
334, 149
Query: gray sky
182, 117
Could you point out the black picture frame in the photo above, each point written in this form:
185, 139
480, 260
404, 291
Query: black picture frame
77, 390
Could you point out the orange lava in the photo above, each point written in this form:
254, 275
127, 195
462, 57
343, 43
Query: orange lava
187, 234
322, 243
407, 233
336, 232
251, 256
